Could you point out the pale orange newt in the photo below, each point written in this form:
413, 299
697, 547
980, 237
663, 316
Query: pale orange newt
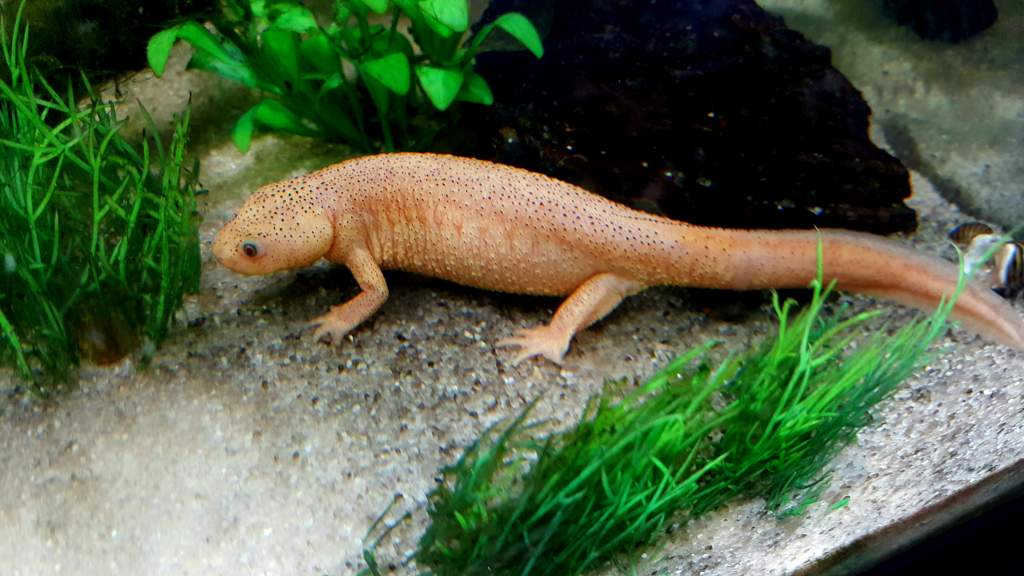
502, 228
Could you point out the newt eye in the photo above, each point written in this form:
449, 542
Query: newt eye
250, 249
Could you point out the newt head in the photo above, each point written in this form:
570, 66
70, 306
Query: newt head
279, 227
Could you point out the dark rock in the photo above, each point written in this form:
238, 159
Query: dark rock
102, 38
946, 20
710, 110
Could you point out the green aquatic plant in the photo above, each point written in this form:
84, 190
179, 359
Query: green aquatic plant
98, 237
358, 80
799, 398
698, 434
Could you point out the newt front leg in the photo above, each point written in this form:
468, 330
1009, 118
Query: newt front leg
346, 316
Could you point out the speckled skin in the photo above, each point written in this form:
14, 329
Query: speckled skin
501, 228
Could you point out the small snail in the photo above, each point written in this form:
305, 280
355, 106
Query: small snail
963, 234
1009, 269
978, 240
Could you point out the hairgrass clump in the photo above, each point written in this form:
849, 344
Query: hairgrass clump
698, 434
798, 399
98, 237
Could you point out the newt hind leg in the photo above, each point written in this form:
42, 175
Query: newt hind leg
590, 302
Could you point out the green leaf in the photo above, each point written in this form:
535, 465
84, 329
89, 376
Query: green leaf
516, 25
269, 114
378, 6
202, 39
280, 50
336, 120
272, 114
292, 17
333, 81
159, 47
440, 84
259, 8
242, 132
392, 71
353, 38
348, 37
475, 89
445, 16
383, 43
234, 70
317, 50
521, 29
408, 6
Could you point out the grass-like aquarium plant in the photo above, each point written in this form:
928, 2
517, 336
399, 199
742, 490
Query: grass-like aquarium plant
98, 237
359, 79
525, 500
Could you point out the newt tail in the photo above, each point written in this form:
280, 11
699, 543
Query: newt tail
860, 263
502, 228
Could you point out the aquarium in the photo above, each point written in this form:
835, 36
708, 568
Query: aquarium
508, 286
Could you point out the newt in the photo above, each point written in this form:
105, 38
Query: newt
506, 229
